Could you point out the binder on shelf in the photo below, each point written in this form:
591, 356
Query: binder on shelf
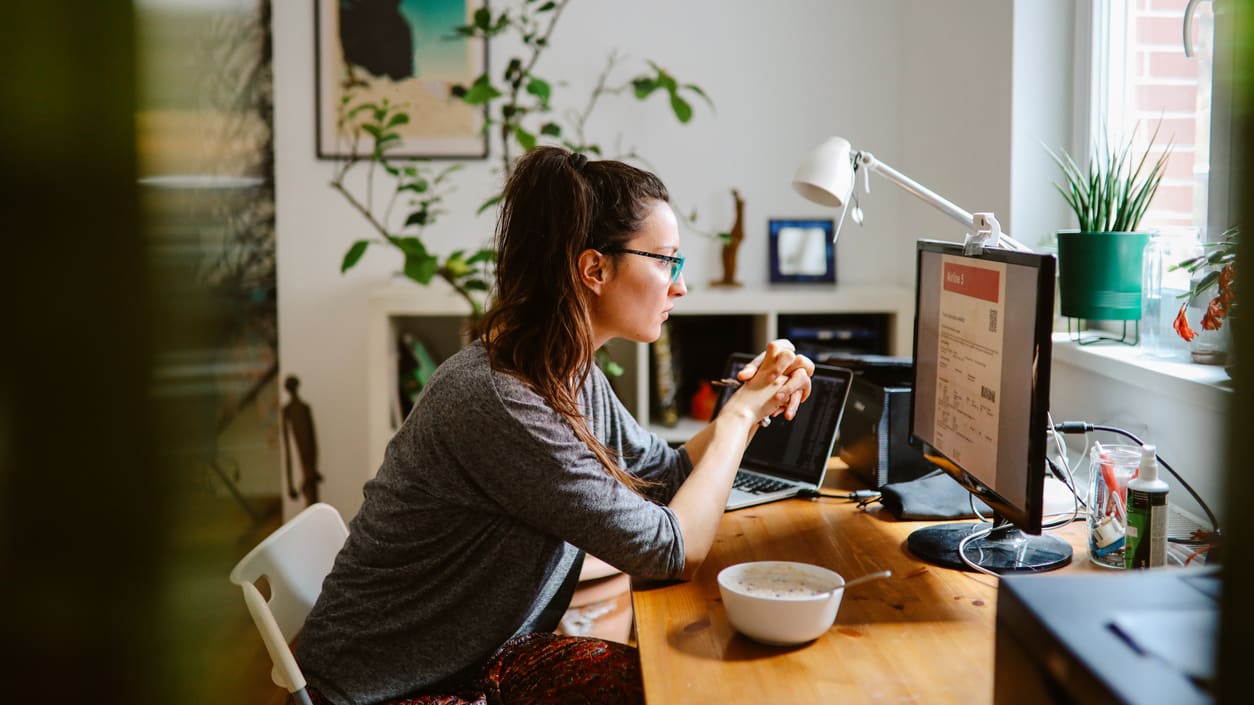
414, 365
666, 382
842, 335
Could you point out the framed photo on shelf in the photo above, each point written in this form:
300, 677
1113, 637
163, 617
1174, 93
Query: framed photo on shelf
802, 251
407, 52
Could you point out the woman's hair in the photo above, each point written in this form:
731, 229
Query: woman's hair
556, 205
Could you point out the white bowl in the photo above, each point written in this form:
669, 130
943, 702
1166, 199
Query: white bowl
780, 603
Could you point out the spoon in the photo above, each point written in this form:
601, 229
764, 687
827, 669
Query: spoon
868, 578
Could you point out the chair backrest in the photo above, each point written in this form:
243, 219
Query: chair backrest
294, 560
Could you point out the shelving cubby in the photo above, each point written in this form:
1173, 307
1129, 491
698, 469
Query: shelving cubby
706, 326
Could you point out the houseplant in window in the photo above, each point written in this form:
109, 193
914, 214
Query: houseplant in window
1211, 299
1099, 264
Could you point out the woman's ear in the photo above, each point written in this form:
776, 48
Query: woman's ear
593, 270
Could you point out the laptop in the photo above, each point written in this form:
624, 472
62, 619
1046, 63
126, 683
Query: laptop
789, 457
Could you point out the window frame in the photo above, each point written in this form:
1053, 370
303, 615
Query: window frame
1102, 27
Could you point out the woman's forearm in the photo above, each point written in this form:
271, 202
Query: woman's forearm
715, 453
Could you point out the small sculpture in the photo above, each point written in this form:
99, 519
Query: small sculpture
735, 237
298, 424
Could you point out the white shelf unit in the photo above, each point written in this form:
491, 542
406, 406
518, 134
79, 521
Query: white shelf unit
437, 313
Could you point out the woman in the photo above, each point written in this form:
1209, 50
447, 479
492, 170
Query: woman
518, 457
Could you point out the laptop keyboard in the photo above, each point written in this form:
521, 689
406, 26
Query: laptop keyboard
758, 485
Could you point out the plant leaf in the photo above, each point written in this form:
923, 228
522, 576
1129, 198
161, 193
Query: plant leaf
488, 204
525, 139
644, 87
443, 174
697, 89
411, 246
482, 19
484, 255
353, 255
683, 111
420, 267
456, 266
539, 88
480, 92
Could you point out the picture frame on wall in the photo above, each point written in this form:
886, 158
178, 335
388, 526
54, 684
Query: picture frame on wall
802, 251
407, 52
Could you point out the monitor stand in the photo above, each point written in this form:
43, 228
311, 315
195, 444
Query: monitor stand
1006, 549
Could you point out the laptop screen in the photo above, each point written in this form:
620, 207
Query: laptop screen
798, 449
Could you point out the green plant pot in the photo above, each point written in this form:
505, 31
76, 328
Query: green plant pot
1099, 275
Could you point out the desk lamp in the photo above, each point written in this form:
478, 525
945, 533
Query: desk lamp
827, 175
969, 373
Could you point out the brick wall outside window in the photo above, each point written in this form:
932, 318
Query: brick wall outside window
1163, 83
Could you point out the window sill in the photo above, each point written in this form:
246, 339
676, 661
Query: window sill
1207, 385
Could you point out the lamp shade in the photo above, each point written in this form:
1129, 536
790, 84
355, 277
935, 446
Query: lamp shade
825, 176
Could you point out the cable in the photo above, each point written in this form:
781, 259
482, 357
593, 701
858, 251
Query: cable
962, 550
1083, 427
1062, 448
856, 494
1065, 476
1067, 479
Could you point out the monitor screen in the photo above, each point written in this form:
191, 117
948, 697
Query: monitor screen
981, 388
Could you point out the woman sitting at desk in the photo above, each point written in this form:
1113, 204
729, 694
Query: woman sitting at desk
518, 457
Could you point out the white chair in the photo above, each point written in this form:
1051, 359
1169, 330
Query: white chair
294, 560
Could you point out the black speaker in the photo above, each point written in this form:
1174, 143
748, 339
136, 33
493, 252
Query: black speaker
875, 429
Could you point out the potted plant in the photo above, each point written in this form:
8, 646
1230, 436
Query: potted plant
1212, 273
1099, 264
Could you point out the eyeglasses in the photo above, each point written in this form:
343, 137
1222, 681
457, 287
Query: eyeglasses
676, 263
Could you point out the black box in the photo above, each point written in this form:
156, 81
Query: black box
1137, 637
875, 429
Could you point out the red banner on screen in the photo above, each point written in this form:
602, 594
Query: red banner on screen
970, 281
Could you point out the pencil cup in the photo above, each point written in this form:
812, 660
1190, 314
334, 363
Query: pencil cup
1110, 468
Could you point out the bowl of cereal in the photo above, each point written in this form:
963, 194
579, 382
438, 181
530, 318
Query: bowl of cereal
782, 603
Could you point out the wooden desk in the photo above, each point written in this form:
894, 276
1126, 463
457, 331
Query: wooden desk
923, 636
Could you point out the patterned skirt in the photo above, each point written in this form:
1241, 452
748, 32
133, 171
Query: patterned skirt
543, 668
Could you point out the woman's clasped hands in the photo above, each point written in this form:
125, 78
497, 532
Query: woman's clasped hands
775, 382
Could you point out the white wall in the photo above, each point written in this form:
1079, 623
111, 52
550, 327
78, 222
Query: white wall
1043, 100
955, 115
782, 77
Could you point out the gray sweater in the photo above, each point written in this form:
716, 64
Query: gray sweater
477, 517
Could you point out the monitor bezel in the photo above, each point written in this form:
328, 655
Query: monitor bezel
1030, 517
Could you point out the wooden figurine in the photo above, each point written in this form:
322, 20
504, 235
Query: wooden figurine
730, 247
298, 426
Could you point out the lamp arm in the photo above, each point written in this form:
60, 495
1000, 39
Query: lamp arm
923, 193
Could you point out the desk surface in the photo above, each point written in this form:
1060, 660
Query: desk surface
923, 636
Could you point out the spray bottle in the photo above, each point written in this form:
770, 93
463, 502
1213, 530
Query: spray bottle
1147, 515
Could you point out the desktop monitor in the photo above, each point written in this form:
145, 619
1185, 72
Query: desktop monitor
980, 400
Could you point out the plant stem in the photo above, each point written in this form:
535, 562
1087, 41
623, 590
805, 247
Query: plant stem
581, 119
461, 291
538, 46
365, 212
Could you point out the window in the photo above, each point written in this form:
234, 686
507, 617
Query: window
1141, 75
